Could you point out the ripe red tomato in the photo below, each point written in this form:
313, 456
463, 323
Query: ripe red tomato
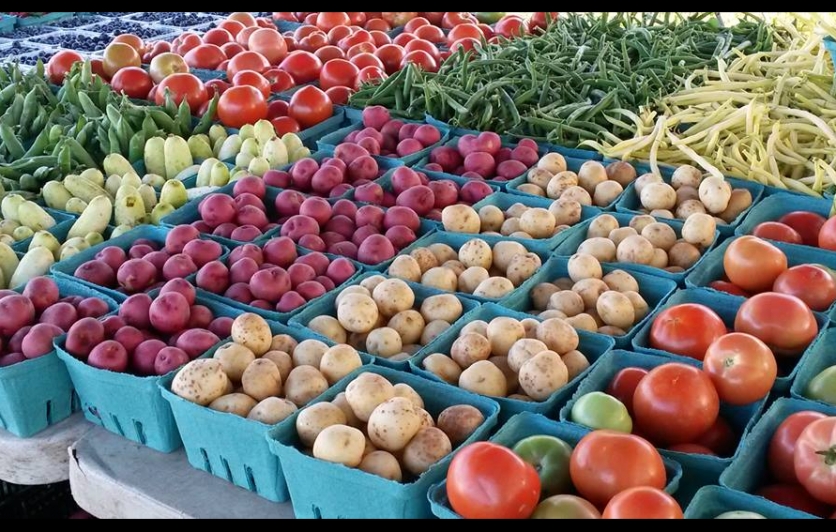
403, 39
280, 81
327, 53
377, 24
415, 23
809, 283
380, 38
777, 231
269, 43
807, 224
720, 438
303, 66
242, 105
339, 95
742, 368
216, 86
489, 481
465, 31
97, 66
277, 108
815, 459
454, 18
338, 73
432, 34
206, 56
371, 74
753, 264
247, 61
511, 26
434, 17
686, 330
624, 384
420, 44
691, 448
357, 18
247, 19
729, 288
422, 59
781, 454
187, 42
643, 503
339, 33
827, 235
783, 322
232, 26
468, 44
362, 48
253, 79
59, 65
284, 125
605, 463
132, 81
358, 37
794, 496
542, 20
391, 55
675, 403
243, 37
304, 31
364, 60
183, 87
310, 106
217, 36
327, 20
231, 49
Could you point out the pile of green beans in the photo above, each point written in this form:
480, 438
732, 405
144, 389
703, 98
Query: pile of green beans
572, 83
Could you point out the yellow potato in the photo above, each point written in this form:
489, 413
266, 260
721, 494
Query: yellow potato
543, 375
253, 332
340, 444
443, 367
338, 361
312, 420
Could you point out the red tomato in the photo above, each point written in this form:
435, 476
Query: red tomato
391, 55
809, 283
380, 38
339, 95
415, 23
327, 20
243, 37
777, 231
542, 20
624, 384
782, 445
279, 80
426, 46
720, 438
247, 61
358, 37
675, 403
59, 65
357, 18
454, 18
489, 481
807, 224
216, 86
206, 56
691, 448
643, 502
403, 39
183, 87
310, 106
252, 79
132, 81
284, 125
232, 26
247, 19
188, 42
729, 288
152, 96
432, 34
131, 40
377, 24
338, 73
827, 235
241, 105
815, 459
311, 19
327, 53
97, 66
605, 463
304, 31
269, 43
794, 496
371, 74
313, 42
338, 33
783, 322
753, 264
742, 368
362, 48
303, 66
285, 15
231, 49
468, 44
364, 60
465, 31
422, 59
686, 330
217, 36
511, 26
277, 108
434, 17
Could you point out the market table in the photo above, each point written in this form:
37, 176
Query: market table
41, 459
114, 478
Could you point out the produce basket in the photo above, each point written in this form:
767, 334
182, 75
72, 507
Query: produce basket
822, 355
570, 246
7, 23
774, 207
749, 470
654, 290
229, 446
44, 19
325, 306
325, 490
725, 306
38, 393
130, 406
711, 501
697, 470
527, 424
593, 346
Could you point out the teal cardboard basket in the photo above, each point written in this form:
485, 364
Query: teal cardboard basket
654, 290
48, 18
130, 406
228, 446
326, 306
593, 346
323, 490
570, 246
527, 424
726, 307
772, 208
830, 46
822, 356
697, 470
38, 393
712, 501
457, 240
712, 267
505, 201
749, 470
631, 203
7, 24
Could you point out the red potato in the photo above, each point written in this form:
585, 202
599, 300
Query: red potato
475, 191
371, 145
138, 251
130, 338
344, 249
407, 131
526, 154
225, 230
369, 193
290, 302
298, 226
136, 275
280, 251
11, 359
330, 238
409, 146
250, 185
135, 311
276, 178
182, 287
401, 236
214, 277
310, 290
92, 307
109, 355
147, 242
300, 273
201, 226
42, 292
369, 133
38, 341
260, 303
196, 342
169, 359
340, 190
143, 358
420, 199
62, 315
96, 272
175, 240
199, 317
16, 341
169, 313
317, 261
246, 199
364, 167
221, 327
392, 128
445, 192
251, 215
327, 282
348, 152
344, 208
376, 117
427, 135
481, 163
247, 250
364, 232
240, 292
246, 233
317, 208
404, 178
333, 161
326, 178
179, 266
157, 258
217, 209
72, 300
510, 169
112, 324
313, 242
7, 293
289, 202
339, 271
302, 173
375, 249
342, 225
270, 285
242, 271
83, 336
401, 216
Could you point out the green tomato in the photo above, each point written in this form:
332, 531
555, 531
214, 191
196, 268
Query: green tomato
740, 515
566, 507
823, 386
598, 410
489, 17
550, 457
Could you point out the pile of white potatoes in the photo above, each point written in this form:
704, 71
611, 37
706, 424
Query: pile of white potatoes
517, 221
525, 360
591, 301
689, 193
476, 268
264, 377
383, 429
379, 316
649, 242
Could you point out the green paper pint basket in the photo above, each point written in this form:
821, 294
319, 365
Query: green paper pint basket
713, 501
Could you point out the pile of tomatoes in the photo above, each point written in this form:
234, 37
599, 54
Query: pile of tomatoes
607, 474
800, 227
